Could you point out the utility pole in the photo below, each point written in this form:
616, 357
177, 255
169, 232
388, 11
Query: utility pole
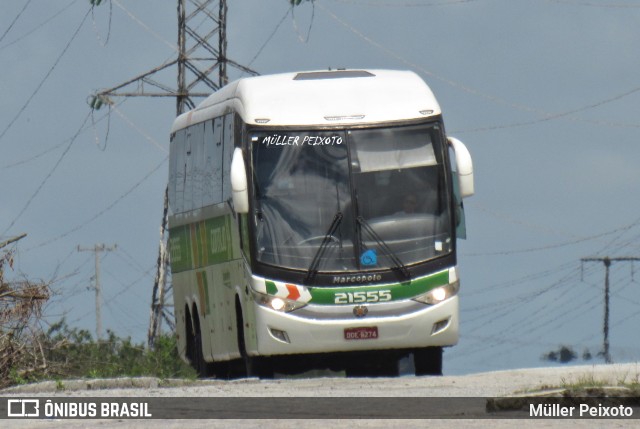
98, 288
607, 261
200, 22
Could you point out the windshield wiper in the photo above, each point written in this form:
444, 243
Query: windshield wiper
399, 265
313, 268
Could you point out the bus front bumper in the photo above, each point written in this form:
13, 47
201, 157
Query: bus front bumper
315, 329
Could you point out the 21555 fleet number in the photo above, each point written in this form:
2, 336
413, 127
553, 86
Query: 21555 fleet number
362, 297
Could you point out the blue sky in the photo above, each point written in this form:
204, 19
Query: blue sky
544, 94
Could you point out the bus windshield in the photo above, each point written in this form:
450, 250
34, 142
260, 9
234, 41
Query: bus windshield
364, 199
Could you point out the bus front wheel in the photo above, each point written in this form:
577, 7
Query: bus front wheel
428, 361
260, 366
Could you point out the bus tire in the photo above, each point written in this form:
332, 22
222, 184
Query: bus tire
260, 366
202, 367
428, 361
188, 336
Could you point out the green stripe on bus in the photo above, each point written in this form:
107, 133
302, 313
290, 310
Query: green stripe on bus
180, 249
399, 291
201, 244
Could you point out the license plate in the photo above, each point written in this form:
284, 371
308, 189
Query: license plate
364, 333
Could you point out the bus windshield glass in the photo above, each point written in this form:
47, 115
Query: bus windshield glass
365, 199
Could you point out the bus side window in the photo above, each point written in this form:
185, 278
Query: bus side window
172, 174
197, 165
229, 140
188, 162
180, 170
209, 165
216, 162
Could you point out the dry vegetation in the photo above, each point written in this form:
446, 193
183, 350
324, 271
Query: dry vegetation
29, 352
21, 306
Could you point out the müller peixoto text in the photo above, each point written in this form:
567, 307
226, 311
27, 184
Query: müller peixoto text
583, 410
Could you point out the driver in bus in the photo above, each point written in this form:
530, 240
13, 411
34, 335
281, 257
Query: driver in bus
410, 204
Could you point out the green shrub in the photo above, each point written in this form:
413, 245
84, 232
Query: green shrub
73, 353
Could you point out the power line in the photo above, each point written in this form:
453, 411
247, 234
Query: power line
405, 3
507, 335
597, 5
546, 116
14, 20
558, 115
429, 73
548, 246
55, 64
268, 39
295, 23
531, 318
509, 284
510, 305
129, 260
146, 27
53, 148
612, 244
36, 156
607, 264
574, 239
39, 26
48, 176
537, 319
105, 210
146, 136
95, 27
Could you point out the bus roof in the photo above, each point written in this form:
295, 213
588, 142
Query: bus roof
320, 98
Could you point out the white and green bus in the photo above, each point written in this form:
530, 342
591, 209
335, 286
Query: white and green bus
313, 225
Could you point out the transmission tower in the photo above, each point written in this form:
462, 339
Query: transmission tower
201, 64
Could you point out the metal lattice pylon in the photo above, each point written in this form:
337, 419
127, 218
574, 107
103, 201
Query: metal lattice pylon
201, 64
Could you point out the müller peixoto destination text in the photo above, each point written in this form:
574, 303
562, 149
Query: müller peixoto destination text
583, 410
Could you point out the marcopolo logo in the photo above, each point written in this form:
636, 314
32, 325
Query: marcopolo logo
358, 278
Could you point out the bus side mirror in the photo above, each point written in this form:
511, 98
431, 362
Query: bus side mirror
464, 167
240, 193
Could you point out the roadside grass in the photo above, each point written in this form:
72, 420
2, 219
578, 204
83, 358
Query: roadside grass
71, 353
627, 384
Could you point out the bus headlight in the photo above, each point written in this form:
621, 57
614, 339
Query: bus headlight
439, 294
276, 303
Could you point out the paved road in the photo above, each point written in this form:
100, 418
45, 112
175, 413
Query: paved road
491, 384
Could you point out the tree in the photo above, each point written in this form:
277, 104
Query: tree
564, 354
